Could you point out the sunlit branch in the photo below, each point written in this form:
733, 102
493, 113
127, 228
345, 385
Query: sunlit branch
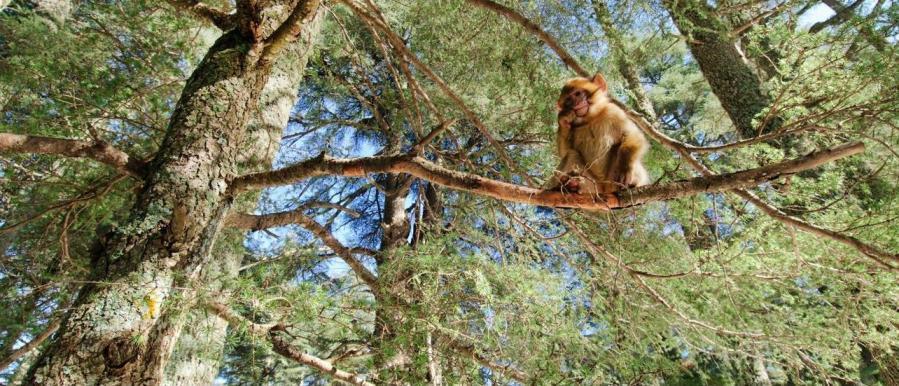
97, 151
280, 345
424, 169
419, 147
218, 17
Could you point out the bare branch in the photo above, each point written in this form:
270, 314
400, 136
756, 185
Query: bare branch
98, 151
283, 347
739, 30
218, 17
94, 192
534, 29
270, 220
236, 320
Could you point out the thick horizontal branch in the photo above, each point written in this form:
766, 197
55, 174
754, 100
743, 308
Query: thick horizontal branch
421, 168
98, 151
219, 18
246, 221
274, 333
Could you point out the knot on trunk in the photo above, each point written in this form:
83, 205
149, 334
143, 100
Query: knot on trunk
121, 351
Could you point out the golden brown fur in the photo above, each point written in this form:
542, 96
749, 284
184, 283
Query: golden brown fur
600, 147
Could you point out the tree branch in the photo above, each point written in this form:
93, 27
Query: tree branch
471, 352
684, 150
218, 17
421, 168
98, 151
842, 15
534, 29
288, 30
246, 221
25, 349
282, 346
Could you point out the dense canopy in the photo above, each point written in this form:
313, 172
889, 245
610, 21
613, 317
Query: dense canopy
308, 192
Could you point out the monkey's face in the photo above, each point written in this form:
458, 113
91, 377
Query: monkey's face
579, 94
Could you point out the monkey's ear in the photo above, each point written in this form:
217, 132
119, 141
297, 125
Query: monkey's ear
600, 81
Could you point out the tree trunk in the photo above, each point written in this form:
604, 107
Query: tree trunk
198, 353
731, 78
122, 329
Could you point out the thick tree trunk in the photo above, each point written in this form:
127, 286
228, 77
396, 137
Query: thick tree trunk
122, 329
731, 78
198, 353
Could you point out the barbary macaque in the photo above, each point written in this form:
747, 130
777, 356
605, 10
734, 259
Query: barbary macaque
600, 147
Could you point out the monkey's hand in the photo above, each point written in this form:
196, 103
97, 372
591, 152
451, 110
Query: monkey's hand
628, 177
571, 182
566, 119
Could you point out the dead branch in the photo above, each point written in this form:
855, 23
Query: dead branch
283, 346
97, 151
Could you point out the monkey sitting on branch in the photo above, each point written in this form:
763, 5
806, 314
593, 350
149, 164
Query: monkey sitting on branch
600, 147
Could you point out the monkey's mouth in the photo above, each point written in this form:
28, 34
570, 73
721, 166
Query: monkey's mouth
581, 108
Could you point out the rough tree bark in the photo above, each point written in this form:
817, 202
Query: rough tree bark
198, 353
122, 328
731, 78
